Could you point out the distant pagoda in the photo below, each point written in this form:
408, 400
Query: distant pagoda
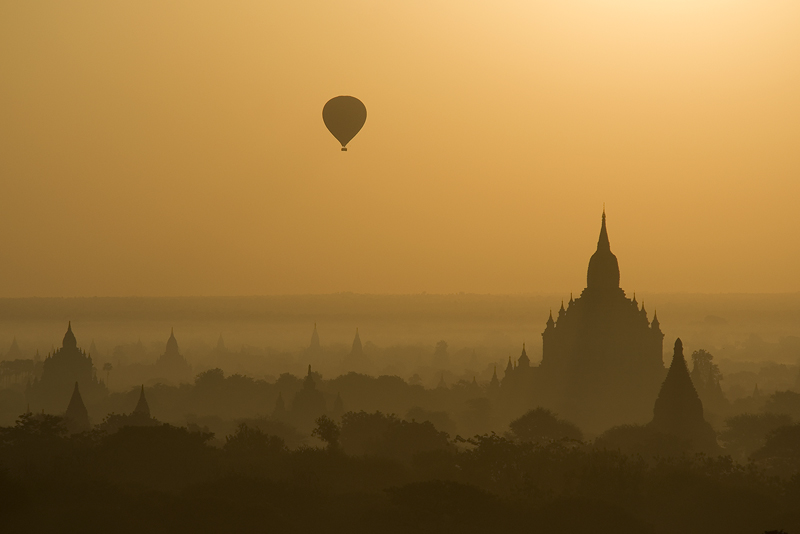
76, 418
172, 365
356, 360
314, 347
142, 408
60, 371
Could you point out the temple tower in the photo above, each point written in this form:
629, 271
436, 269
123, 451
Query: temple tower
678, 410
76, 418
142, 408
601, 358
172, 365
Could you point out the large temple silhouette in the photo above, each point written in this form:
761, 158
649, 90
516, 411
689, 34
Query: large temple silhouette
602, 360
171, 365
61, 370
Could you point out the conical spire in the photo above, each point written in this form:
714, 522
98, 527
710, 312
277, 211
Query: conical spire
220, 344
494, 382
69, 341
550, 322
678, 409
655, 325
76, 416
510, 366
357, 349
602, 241
677, 391
524, 361
314, 339
142, 408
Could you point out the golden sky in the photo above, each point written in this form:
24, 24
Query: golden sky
177, 148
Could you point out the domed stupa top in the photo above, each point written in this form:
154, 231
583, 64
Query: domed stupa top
69, 338
172, 343
603, 266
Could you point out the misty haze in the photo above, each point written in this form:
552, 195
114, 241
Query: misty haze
400, 267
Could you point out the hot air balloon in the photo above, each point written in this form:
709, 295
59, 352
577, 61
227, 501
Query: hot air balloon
344, 116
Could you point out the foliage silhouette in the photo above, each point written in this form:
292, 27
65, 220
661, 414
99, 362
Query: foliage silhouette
540, 424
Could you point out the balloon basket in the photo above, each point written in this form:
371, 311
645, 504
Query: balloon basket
344, 149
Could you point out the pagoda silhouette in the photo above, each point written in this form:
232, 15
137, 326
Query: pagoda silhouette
602, 360
172, 365
61, 370
678, 410
308, 403
76, 418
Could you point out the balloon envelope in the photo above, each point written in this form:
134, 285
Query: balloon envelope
344, 116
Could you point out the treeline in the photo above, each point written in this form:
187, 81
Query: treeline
380, 473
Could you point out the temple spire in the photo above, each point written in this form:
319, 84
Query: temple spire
308, 383
314, 346
603, 273
602, 242
69, 341
142, 407
524, 361
357, 349
678, 410
76, 416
